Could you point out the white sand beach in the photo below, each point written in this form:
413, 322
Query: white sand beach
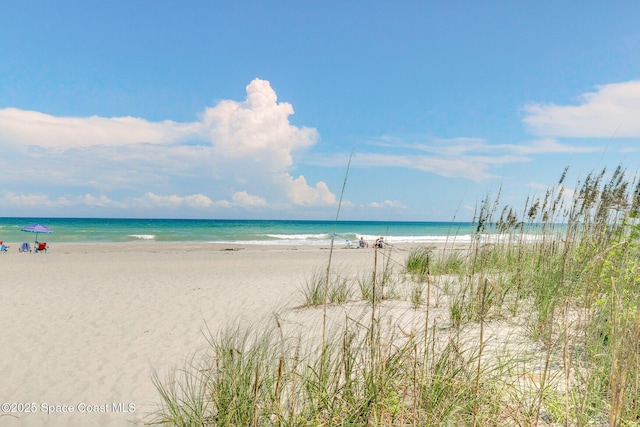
85, 325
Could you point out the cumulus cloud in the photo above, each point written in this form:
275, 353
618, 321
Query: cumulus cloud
386, 204
172, 201
101, 201
612, 110
39, 201
257, 128
233, 144
300, 193
242, 198
33, 200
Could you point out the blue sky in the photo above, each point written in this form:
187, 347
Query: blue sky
250, 109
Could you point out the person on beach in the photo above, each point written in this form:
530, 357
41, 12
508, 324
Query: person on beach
363, 243
379, 243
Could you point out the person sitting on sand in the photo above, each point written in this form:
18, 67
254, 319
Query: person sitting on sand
363, 243
379, 243
3, 247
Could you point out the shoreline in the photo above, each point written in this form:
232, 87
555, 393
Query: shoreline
70, 247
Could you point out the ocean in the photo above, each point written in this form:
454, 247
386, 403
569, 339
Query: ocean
257, 232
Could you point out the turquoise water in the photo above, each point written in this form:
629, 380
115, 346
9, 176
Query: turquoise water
90, 230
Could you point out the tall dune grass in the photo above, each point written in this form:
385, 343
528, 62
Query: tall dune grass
535, 323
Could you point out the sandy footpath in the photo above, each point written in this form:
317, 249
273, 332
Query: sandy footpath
83, 326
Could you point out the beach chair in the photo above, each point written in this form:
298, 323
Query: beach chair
41, 247
25, 247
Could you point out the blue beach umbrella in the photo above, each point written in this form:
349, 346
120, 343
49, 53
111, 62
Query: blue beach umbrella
37, 228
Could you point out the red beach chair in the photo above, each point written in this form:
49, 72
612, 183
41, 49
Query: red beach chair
41, 247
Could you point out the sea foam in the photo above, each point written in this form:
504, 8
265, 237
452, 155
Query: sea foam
142, 236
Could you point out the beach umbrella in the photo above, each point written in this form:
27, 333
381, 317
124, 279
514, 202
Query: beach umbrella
37, 228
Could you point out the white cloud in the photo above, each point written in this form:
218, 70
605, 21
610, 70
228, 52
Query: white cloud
459, 147
610, 111
254, 128
98, 201
549, 146
33, 200
173, 201
257, 129
242, 198
44, 130
386, 204
467, 158
300, 193
475, 168
39, 201
248, 144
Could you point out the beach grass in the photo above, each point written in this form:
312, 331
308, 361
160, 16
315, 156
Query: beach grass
535, 323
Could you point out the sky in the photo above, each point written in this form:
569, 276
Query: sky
391, 111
